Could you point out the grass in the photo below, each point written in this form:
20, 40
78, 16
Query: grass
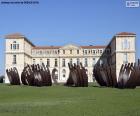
68, 101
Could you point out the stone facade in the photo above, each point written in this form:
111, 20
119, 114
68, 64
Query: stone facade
120, 50
20, 52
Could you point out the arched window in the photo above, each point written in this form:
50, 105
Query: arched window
14, 46
64, 73
48, 62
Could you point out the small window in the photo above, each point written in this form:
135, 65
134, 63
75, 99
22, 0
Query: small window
14, 59
85, 51
70, 51
55, 64
63, 63
77, 51
125, 59
86, 62
17, 46
71, 61
93, 51
64, 73
14, 46
89, 51
48, 62
58, 51
94, 61
33, 61
11, 46
63, 51
101, 51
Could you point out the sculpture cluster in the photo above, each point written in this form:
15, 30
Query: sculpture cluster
129, 76
32, 75
13, 76
36, 75
77, 76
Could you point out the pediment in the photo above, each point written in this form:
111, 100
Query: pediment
70, 46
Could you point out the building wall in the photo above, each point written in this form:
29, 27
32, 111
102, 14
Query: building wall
66, 52
120, 50
114, 54
22, 52
125, 50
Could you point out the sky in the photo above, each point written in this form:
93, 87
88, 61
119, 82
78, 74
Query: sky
60, 22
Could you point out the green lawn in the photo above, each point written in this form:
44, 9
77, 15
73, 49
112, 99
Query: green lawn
68, 101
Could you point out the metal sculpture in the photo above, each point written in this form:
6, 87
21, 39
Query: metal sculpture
13, 76
129, 75
77, 76
32, 75
36, 75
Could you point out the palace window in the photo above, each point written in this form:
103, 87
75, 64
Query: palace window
14, 59
17, 46
70, 51
55, 63
48, 62
71, 61
33, 61
78, 61
85, 51
125, 44
94, 61
93, 51
14, 46
77, 51
64, 73
63, 63
89, 51
125, 58
11, 46
58, 51
101, 51
86, 62
63, 51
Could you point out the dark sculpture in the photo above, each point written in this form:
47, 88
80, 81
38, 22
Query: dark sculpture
13, 76
77, 76
36, 75
32, 75
129, 76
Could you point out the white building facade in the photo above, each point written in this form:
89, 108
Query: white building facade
120, 50
20, 52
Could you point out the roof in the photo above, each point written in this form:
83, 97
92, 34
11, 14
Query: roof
125, 33
18, 36
14, 36
57, 47
46, 47
92, 47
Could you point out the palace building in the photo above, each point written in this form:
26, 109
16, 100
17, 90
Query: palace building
20, 51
